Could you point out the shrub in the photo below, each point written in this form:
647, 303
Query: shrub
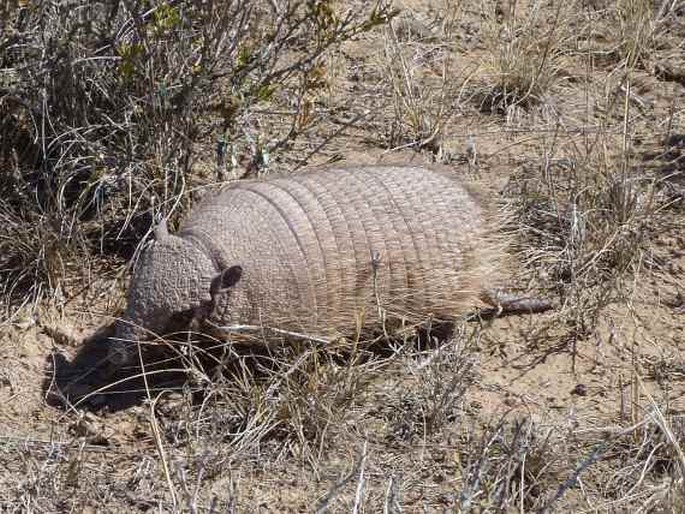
108, 109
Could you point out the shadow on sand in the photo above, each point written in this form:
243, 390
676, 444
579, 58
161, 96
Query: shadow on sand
88, 383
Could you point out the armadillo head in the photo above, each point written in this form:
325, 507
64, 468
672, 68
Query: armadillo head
174, 281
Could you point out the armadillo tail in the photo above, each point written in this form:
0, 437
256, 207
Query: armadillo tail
507, 304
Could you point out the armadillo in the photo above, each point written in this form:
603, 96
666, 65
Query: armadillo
327, 252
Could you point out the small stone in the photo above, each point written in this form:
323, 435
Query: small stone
580, 390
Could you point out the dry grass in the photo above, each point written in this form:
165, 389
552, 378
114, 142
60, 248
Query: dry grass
527, 55
570, 112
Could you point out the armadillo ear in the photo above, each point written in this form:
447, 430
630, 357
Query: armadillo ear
225, 280
161, 230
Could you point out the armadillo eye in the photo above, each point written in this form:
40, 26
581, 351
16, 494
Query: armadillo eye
180, 320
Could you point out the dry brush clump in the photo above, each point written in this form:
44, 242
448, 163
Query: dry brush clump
512, 464
535, 50
302, 394
107, 109
544, 466
606, 184
267, 406
593, 253
648, 462
436, 375
248, 405
588, 218
527, 55
420, 73
641, 32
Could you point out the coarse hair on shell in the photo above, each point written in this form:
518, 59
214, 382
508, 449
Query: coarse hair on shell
329, 252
